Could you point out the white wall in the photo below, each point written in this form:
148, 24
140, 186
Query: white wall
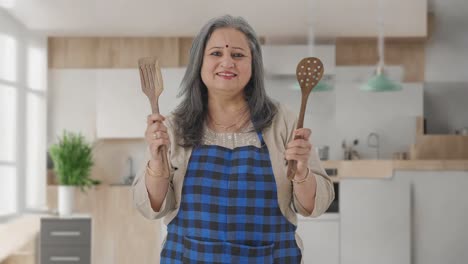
445, 107
446, 50
446, 67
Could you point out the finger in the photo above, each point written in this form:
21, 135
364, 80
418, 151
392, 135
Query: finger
297, 151
154, 118
150, 137
158, 135
304, 133
160, 142
298, 157
154, 146
151, 134
299, 143
158, 126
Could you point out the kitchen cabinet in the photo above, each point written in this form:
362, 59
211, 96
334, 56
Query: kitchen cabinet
65, 240
121, 106
71, 103
375, 221
320, 238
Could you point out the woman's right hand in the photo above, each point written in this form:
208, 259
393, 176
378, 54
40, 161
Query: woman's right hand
156, 136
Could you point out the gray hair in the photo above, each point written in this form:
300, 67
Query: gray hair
191, 113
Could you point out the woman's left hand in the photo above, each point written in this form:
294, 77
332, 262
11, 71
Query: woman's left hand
299, 149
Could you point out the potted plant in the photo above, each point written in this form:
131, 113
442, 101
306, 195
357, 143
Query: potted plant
72, 158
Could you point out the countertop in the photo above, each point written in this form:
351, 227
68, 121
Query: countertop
385, 168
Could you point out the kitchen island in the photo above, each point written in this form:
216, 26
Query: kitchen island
410, 211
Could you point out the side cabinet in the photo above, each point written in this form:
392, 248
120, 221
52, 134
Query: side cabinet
65, 240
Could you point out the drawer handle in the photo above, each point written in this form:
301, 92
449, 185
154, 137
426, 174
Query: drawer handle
65, 233
58, 258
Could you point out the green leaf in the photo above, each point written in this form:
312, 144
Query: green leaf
73, 159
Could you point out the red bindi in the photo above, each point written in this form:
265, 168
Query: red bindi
227, 46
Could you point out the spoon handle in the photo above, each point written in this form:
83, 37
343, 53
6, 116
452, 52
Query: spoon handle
292, 164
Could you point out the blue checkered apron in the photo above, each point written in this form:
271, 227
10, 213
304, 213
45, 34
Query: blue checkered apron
229, 211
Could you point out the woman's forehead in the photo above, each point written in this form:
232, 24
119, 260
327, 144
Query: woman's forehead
227, 37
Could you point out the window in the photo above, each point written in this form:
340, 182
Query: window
8, 60
8, 110
23, 82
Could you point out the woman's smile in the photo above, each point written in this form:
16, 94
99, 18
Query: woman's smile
226, 75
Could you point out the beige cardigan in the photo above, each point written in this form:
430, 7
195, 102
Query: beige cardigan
276, 137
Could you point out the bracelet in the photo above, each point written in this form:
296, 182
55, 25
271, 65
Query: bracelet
304, 179
153, 174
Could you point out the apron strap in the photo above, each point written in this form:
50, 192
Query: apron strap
260, 137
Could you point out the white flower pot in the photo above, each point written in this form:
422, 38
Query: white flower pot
66, 199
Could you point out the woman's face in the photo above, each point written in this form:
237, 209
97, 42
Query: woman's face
227, 62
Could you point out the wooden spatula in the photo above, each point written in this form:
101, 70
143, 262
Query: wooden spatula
152, 86
309, 71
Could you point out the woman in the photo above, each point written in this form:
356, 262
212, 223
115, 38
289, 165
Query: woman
226, 198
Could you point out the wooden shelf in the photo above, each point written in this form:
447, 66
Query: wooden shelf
438, 147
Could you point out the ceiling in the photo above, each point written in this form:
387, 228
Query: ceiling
330, 18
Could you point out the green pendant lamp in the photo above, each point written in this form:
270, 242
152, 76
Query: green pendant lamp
380, 82
323, 87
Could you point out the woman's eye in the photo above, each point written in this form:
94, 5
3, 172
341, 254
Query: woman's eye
238, 55
216, 53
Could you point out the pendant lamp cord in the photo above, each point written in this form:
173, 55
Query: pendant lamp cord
310, 29
380, 42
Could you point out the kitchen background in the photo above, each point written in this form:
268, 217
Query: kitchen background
73, 64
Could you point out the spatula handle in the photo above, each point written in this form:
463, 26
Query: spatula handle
162, 152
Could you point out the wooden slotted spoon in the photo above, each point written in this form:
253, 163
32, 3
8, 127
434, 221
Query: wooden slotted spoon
152, 86
309, 71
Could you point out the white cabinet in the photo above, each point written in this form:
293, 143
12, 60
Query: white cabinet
375, 221
121, 106
320, 237
71, 103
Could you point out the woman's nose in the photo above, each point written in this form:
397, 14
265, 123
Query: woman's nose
227, 62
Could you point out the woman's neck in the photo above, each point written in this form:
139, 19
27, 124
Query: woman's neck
225, 105
227, 114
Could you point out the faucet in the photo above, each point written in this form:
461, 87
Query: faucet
376, 144
131, 175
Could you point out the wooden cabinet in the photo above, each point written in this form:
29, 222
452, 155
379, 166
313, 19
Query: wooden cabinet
121, 106
114, 52
65, 240
320, 237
